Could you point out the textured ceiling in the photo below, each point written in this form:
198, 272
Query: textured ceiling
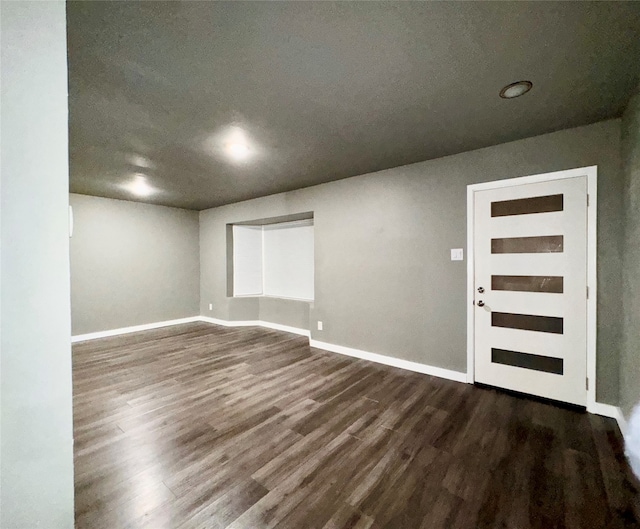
322, 90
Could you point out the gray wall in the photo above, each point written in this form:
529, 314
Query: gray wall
630, 356
384, 279
294, 313
36, 414
131, 263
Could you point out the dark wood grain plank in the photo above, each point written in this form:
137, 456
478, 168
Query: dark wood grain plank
201, 426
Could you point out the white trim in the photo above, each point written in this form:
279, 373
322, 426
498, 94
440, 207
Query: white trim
256, 323
263, 227
230, 323
192, 319
592, 189
287, 224
268, 296
609, 410
606, 410
592, 283
597, 408
134, 328
458, 376
262, 271
471, 313
285, 328
590, 171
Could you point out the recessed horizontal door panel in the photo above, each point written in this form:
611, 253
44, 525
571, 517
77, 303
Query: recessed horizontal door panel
539, 244
531, 283
528, 322
523, 206
527, 360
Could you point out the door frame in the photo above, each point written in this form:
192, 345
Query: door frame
591, 173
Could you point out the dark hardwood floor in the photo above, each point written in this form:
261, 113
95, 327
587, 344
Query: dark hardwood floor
200, 426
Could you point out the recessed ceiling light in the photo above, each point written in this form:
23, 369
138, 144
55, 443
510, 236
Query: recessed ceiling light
233, 144
140, 161
139, 186
515, 89
238, 150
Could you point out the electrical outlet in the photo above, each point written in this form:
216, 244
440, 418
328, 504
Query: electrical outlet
319, 325
210, 306
456, 254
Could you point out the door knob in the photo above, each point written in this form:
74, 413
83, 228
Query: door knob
481, 290
480, 303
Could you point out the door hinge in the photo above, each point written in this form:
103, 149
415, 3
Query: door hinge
587, 292
587, 383
587, 199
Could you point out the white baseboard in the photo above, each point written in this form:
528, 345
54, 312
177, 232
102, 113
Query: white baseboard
134, 328
365, 355
157, 325
348, 351
285, 328
228, 323
391, 361
609, 410
598, 408
256, 323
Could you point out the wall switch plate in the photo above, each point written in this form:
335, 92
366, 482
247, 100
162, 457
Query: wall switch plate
457, 254
210, 306
319, 325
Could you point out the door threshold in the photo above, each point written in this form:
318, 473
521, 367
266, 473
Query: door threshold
535, 398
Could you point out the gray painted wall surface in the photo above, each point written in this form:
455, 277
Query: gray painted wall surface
290, 312
630, 356
36, 452
131, 263
384, 279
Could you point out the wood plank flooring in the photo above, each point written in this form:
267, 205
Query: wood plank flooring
201, 426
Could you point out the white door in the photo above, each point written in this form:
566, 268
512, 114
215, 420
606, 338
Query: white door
530, 280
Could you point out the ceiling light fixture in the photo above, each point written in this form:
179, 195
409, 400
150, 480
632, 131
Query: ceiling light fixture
515, 89
140, 161
233, 144
139, 186
238, 150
